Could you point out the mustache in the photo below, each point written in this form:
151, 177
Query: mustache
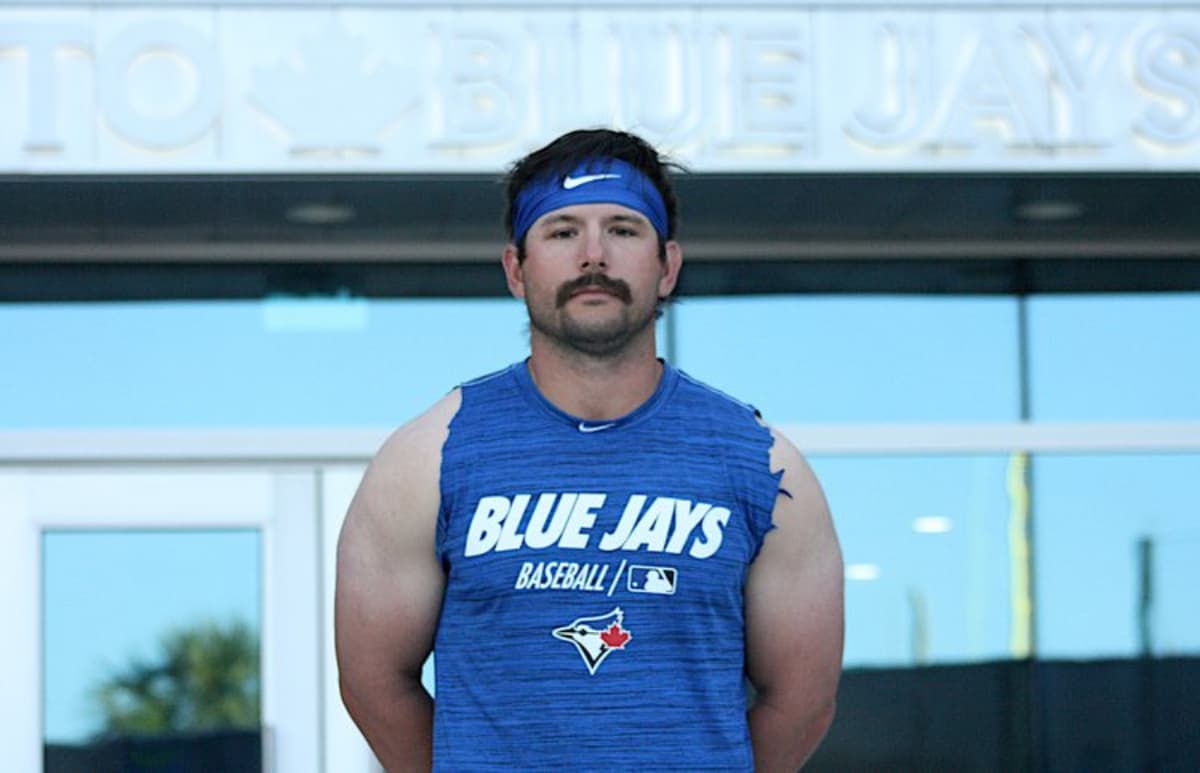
615, 287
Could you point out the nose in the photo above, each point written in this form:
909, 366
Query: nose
591, 253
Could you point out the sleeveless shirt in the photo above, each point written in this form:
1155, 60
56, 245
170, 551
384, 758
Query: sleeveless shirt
592, 614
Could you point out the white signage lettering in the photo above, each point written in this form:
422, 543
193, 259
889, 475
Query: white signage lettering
192, 72
481, 90
42, 42
397, 88
1168, 67
770, 83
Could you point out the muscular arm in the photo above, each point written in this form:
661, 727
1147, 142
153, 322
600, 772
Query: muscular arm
794, 621
389, 592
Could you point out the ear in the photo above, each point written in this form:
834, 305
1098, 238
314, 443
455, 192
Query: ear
670, 269
514, 273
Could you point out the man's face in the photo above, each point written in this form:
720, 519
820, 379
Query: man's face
592, 276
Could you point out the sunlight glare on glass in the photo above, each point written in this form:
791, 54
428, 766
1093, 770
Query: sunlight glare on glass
932, 524
863, 572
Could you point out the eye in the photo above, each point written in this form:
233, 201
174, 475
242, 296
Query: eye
561, 233
623, 230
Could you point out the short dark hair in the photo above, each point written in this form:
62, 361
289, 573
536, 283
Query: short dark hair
573, 148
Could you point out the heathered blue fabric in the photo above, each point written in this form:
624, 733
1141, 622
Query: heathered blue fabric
655, 681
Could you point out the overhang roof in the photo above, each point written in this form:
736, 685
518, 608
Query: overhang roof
105, 238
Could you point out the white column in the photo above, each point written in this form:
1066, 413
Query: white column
21, 646
291, 637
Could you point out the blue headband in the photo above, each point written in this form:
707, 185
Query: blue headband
596, 181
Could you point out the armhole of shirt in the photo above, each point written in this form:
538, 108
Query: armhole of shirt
757, 489
446, 472
762, 488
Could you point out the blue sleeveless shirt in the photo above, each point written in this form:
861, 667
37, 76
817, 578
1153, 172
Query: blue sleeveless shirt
593, 610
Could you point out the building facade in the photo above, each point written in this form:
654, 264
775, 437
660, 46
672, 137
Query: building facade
950, 249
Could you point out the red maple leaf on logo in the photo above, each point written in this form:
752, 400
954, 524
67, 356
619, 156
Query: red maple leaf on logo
614, 637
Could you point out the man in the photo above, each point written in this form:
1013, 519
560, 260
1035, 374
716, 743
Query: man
599, 548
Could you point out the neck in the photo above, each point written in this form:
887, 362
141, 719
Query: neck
591, 387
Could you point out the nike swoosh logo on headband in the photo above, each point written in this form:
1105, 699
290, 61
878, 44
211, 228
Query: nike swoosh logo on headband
570, 183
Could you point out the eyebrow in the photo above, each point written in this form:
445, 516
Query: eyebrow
619, 217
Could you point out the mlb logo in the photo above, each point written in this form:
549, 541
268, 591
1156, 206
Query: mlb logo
659, 580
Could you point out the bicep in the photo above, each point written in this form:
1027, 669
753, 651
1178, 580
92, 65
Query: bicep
388, 593
794, 590
389, 584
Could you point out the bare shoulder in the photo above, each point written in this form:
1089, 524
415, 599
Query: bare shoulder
801, 503
399, 493
794, 591
417, 445
389, 580
797, 575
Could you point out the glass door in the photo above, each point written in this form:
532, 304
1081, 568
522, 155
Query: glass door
178, 618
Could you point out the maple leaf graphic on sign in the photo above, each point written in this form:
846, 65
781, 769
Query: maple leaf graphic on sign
328, 100
615, 637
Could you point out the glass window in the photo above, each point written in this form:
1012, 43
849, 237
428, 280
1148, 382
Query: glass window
859, 359
1115, 357
926, 546
281, 362
1092, 516
151, 648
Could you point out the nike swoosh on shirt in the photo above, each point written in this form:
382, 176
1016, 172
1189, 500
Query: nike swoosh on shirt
593, 427
570, 183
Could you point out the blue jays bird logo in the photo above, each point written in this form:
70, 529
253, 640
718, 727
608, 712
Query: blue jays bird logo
596, 637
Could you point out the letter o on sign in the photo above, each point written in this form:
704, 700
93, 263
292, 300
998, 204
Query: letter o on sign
116, 63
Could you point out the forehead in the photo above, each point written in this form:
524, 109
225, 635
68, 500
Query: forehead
584, 212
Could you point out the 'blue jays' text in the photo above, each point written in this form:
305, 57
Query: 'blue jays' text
567, 520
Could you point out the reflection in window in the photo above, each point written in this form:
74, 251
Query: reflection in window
1102, 524
1115, 357
241, 363
151, 648
859, 359
926, 546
